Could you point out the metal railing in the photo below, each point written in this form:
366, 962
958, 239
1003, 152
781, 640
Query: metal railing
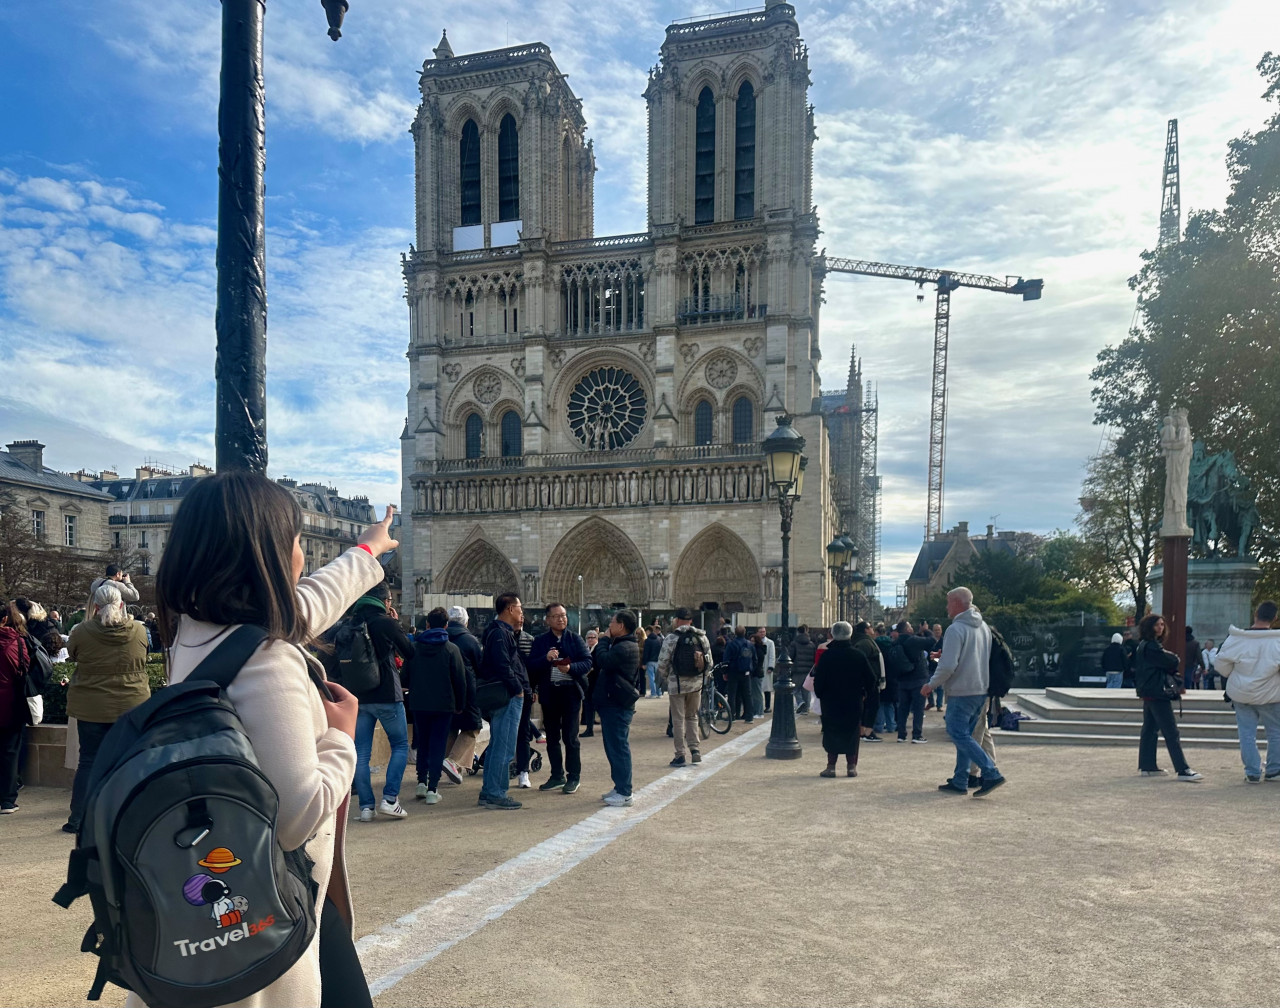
623, 457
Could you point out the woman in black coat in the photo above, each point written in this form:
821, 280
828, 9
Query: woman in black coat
849, 689
1153, 668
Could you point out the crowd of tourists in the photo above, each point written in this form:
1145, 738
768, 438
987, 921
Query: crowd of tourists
328, 659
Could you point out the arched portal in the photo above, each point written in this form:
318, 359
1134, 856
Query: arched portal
611, 566
717, 566
478, 568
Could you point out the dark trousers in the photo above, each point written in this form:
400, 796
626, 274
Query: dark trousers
431, 730
1157, 717
523, 733
910, 700
90, 735
740, 701
561, 707
342, 982
588, 710
10, 748
615, 729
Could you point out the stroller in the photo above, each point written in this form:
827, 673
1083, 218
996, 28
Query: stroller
535, 757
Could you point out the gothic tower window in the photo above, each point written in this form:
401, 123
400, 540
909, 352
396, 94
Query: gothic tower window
508, 170
704, 165
744, 154
702, 423
475, 438
469, 172
511, 446
744, 421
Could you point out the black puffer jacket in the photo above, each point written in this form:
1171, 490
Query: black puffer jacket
436, 675
618, 666
801, 650
469, 718
388, 641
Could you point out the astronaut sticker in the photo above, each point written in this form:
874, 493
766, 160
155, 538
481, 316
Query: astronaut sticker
225, 909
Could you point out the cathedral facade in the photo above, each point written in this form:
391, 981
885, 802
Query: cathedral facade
585, 413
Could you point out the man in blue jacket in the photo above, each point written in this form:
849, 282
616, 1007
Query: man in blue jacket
501, 663
558, 665
740, 656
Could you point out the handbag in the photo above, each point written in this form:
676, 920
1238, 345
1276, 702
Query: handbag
492, 696
1172, 688
35, 710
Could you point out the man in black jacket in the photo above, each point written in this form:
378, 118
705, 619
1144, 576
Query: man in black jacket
436, 683
501, 663
912, 674
615, 695
558, 665
802, 650
383, 704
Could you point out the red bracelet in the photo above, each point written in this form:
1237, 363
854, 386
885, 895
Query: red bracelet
365, 548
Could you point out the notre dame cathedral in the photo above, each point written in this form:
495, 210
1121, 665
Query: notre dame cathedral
585, 413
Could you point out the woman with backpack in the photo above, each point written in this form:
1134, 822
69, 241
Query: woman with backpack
110, 652
1156, 677
234, 557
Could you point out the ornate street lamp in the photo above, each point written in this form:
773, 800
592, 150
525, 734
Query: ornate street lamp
855, 587
784, 466
837, 560
240, 368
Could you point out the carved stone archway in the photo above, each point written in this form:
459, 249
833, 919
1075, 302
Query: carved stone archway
478, 568
611, 566
717, 566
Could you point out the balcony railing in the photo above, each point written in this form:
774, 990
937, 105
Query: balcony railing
146, 519
593, 459
718, 308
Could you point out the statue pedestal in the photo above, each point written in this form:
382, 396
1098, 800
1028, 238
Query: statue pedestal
1219, 593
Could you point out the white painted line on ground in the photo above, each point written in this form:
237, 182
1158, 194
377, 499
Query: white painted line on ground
393, 952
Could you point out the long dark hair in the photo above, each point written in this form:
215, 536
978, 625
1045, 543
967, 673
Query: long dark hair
229, 558
1147, 627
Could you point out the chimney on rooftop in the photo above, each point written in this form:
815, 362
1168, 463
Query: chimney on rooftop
108, 474
196, 469
29, 453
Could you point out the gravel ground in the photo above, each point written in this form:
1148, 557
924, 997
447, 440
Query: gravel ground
1078, 883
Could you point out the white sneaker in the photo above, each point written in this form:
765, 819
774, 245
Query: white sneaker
431, 797
1190, 775
391, 808
1155, 773
453, 771
618, 801
421, 791
366, 815
523, 781
609, 794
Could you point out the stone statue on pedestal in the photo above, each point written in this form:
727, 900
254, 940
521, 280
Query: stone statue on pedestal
1175, 442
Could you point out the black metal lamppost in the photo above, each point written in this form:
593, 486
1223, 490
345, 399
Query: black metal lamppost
838, 554
240, 370
784, 469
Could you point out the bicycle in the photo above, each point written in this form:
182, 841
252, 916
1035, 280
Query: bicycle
714, 714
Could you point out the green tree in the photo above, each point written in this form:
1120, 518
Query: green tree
1121, 506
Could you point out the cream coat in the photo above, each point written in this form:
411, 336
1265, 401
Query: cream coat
310, 764
1250, 659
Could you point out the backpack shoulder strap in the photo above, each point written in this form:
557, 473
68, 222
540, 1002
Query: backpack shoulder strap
224, 662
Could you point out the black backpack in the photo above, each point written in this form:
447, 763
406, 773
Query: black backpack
357, 665
896, 660
684, 657
1000, 670
194, 903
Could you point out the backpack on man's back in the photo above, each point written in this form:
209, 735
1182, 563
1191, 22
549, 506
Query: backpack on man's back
1000, 666
687, 659
357, 667
195, 905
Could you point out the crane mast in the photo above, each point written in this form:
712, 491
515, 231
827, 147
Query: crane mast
1171, 191
945, 282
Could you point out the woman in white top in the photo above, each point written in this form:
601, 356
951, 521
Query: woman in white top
234, 557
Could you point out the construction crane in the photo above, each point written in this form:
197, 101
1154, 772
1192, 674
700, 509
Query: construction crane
945, 281
1171, 193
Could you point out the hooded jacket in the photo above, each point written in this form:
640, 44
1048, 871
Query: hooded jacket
388, 641
1113, 658
468, 719
435, 675
966, 653
802, 650
110, 676
1250, 659
678, 685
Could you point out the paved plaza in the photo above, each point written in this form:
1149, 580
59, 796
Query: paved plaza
749, 881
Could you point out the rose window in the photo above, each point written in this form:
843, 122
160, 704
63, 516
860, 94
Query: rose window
607, 409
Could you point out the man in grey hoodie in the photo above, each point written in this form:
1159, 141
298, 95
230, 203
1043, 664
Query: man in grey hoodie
963, 670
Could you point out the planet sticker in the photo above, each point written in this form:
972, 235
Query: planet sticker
192, 889
219, 860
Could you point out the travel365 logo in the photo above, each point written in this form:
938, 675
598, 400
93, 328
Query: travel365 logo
227, 911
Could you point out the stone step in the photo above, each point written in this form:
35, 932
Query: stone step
1195, 729
1044, 707
1031, 737
1083, 697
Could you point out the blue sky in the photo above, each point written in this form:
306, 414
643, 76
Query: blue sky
1002, 136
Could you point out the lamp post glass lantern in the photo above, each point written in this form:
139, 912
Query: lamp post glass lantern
784, 464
